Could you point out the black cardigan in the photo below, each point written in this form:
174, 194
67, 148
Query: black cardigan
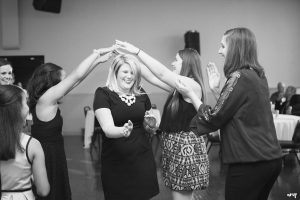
243, 115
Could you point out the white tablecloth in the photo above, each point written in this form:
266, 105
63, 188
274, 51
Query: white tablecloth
285, 126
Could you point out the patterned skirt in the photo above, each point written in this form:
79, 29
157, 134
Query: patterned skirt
185, 164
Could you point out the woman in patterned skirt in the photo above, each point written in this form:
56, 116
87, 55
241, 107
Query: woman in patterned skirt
184, 158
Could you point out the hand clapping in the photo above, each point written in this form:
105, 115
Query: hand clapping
213, 76
127, 128
149, 120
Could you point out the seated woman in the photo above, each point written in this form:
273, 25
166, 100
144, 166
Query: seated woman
285, 107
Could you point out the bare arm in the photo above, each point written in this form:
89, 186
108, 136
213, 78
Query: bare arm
107, 124
36, 154
53, 94
158, 69
148, 76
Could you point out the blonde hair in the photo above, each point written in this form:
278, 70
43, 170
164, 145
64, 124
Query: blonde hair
117, 63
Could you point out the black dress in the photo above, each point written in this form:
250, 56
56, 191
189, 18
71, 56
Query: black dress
128, 168
50, 136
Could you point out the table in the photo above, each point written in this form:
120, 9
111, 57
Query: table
285, 126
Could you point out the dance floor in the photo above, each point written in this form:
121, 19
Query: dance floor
85, 180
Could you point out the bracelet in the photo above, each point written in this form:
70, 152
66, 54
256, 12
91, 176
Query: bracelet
138, 52
125, 132
97, 51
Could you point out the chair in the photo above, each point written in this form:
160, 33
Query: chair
96, 139
292, 147
213, 139
88, 126
295, 103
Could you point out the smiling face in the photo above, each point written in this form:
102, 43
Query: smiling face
224, 47
125, 78
177, 64
6, 75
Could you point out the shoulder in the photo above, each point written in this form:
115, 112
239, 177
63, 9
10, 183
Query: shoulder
34, 144
34, 148
193, 84
102, 90
30, 141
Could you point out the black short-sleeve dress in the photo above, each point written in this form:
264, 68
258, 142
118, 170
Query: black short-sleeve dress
128, 167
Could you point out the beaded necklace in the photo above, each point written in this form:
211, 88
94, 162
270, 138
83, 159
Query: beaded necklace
129, 99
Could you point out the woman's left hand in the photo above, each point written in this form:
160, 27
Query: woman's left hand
150, 120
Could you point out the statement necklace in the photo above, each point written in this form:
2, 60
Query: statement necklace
129, 99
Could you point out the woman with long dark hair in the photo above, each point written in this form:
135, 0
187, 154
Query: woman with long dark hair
47, 86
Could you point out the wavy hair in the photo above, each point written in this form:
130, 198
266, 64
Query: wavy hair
191, 67
242, 51
43, 78
134, 65
11, 120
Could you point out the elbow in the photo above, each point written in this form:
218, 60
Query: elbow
106, 131
43, 191
161, 75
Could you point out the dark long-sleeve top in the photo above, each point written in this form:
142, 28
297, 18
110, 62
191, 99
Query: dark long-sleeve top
244, 117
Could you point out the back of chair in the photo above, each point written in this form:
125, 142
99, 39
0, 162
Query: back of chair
295, 103
296, 136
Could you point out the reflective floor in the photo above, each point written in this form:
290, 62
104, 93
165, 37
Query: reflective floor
84, 172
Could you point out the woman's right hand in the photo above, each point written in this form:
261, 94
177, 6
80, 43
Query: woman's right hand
213, 76
127, 46
127, 128
104, 54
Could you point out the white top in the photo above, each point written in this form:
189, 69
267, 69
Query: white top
16, 174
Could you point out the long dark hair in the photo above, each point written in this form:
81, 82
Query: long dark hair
242, 51
191, 67
11, 120
43, 78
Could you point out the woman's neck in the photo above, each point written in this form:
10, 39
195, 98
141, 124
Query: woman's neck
127, 92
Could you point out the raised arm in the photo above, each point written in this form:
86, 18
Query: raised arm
149, 77
52, 95
158, 69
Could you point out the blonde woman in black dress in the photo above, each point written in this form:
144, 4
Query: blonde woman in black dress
128, 168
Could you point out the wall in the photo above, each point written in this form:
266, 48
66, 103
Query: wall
158, 27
